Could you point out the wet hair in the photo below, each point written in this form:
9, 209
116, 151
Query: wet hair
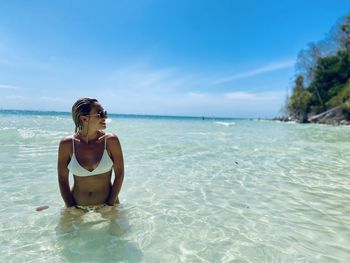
81, 107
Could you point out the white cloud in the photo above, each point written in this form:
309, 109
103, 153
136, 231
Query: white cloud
266, 95
142, 90
264, 69
51, 99
136, 87
8, 87
42, 98
141, 79
234, 104
240, 95
17, 97
197, 94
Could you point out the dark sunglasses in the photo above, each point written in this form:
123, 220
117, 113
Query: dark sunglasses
100, 114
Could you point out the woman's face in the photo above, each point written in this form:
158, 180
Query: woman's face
95, 122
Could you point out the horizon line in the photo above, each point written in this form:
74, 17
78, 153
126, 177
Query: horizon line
135, 115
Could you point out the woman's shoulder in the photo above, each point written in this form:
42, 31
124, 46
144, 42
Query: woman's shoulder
65, 146
67, 141
111, 135
112, 138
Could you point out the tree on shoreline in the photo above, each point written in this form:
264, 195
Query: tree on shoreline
323, 79
342, 35
299, 101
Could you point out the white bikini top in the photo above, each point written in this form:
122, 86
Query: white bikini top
105, 164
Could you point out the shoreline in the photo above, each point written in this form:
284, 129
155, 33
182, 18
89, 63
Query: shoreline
328, 121
334, 116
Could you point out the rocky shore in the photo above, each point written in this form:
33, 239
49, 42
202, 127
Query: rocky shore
332, 117
336, 117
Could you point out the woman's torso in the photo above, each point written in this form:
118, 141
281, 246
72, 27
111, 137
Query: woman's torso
87, 160
92, 190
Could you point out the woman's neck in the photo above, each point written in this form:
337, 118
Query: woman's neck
90, 137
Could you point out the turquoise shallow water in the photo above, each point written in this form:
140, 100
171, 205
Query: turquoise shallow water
194, 191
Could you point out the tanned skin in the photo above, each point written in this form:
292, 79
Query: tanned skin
89, 148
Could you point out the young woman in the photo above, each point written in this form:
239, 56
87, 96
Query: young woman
90, 155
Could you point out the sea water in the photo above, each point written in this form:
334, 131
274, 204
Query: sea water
195, 191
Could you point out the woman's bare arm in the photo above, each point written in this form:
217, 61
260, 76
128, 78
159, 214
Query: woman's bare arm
64, 151
118, 166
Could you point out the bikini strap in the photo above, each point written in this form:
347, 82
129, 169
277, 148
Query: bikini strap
73, 144
105, 140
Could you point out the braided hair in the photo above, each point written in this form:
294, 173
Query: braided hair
81, 107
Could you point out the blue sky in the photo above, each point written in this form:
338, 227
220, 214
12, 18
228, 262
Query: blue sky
197, 58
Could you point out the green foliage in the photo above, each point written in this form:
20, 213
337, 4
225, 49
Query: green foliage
344, 34
342, 98
328, 80
331, 74
299, 101
329, 88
